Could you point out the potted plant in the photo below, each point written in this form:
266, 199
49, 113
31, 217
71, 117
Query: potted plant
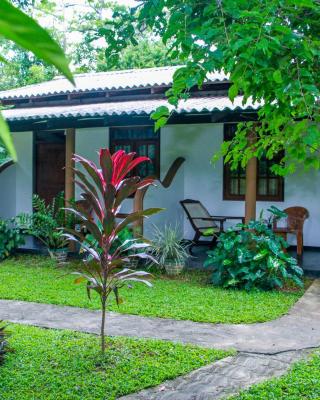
57, 246
169, 250
46, 223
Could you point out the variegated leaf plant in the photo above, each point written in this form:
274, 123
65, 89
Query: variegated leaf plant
105, 189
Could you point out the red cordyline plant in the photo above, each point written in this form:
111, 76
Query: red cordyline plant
104, 189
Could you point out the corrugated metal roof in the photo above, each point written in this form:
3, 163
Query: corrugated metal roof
139, 107
99, 81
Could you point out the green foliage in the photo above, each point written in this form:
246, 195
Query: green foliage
252, 256
89, 55
187, 297
19, 28
48, 364
167, 245
47, 220
302, 382
269, 51
10, 238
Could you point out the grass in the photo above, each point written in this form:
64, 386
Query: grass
301, 383
51, 364
188, 297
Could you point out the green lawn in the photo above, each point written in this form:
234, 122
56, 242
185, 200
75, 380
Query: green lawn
49, 365
301, 383
189, 297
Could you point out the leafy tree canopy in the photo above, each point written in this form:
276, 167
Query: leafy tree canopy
79, 30
270, 49
19, 28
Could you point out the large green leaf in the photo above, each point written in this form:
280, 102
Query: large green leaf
24, 31
6, 138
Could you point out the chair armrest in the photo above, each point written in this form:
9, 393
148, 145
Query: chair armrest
227, 217
210, 218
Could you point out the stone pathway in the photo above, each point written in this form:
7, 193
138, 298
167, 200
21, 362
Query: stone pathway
223, 378
266, 349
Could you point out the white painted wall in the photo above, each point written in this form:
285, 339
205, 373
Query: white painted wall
197, 178
88, 143
8, 192
201, 180
16, 182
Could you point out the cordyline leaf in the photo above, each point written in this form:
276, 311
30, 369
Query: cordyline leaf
123, 246
74, 233
127, 187
79, 280
116, 294
123, 163
89, 249
94, 202
24, 31
92, 170
124, 271
108, 223
109, 196
106, 165
144, 256
82, 215
136, 216
136, 246
130, 187
134, 274
85, 182
6, 137
91, 226
139, 280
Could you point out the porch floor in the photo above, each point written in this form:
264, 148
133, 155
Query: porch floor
310, 260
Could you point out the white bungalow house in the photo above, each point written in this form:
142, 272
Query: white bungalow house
51, 120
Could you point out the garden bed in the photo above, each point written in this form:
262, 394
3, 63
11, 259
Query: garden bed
187, 297
50, 364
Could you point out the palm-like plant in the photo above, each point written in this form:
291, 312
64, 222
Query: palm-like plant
105, 189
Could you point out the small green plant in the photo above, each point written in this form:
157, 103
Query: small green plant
10, 238
47, 220
275, 215
252, 256
168, 246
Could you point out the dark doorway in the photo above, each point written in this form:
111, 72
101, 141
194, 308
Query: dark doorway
50, 151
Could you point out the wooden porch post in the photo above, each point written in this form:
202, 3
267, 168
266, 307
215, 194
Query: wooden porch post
69, 174
251, 185
69, 192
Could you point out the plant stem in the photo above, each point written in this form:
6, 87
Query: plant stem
103, 322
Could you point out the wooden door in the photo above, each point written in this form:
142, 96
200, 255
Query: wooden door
50, 173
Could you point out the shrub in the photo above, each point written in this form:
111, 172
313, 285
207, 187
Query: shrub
10, 238
252, 256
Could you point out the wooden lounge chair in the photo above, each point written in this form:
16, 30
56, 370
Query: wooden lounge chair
294, 225
201, 221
